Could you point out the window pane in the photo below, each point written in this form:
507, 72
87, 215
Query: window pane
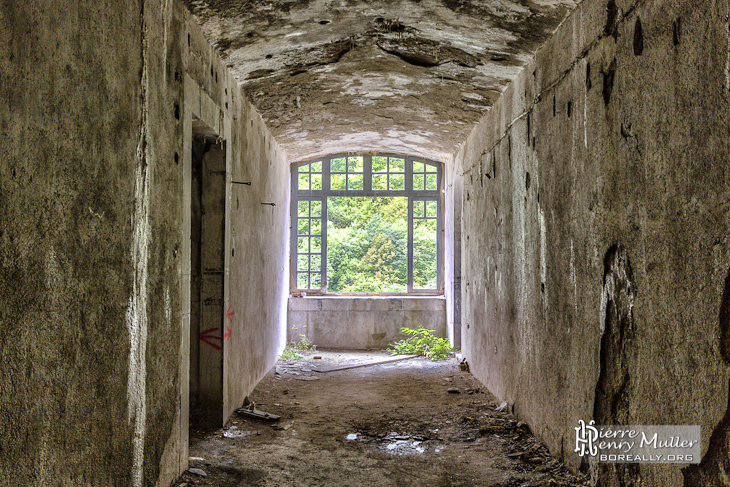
316, 226
303, 245
303, 226
337, 181
316, 181
317, 166
397, 165
418, 209
418, 181
302, 280
338, 165
304, 168
431, 181
431, 168
316, 262
304, 181
367, 244
303, 263
380, 181
354, 164
380, 164
303, 208
397, 181
424, 254
316, 208
316, 281
354, 181
431, 208
316, 244
417, 167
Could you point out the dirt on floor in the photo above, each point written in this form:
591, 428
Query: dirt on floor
411, 422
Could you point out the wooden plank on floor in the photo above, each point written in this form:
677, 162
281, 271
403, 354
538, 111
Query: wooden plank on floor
397, 358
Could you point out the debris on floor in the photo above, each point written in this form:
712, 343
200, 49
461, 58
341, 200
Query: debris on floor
375, 426
255, 413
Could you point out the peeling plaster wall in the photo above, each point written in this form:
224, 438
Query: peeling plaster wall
93, 227
614, 137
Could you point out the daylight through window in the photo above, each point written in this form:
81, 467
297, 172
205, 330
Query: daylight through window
367, 224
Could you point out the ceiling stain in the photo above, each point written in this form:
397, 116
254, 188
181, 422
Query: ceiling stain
350, 75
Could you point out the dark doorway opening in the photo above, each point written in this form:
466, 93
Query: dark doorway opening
207, 237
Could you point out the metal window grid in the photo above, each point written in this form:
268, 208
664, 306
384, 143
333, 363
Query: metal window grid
353, 175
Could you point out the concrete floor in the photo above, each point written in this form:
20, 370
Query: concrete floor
413, 422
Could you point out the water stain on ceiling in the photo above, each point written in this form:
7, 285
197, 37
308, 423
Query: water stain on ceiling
409, 76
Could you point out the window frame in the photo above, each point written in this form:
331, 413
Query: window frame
321, 195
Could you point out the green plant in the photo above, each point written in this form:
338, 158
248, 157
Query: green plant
289, 354
422, 342
303, 344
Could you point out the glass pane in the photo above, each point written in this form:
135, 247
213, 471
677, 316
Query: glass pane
424, 254
397, 181
418, 181
431, 168
317, 166
316, 181
338, 165
303, 181
316, 281
337, 181
304, 168
431, 209
316, 226
303, 226
303, 208
367, 244
316, 262
431, 181
418, 209
380, 164
303, 263
380, 181
354, 164
302, 280
303, 245
316, 208
417, 167
397, 165
316, 244
354, 181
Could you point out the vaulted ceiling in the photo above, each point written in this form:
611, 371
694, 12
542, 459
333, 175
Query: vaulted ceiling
409, 76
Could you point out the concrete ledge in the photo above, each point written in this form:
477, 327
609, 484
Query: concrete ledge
354, 322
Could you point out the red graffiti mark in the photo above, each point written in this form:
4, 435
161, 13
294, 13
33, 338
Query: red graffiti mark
206, 337
230, 313
227, 336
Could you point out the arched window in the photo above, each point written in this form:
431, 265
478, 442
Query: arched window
367, 224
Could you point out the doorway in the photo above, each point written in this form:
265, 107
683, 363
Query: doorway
207, 239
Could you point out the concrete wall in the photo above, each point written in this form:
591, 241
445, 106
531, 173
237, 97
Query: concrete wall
362, 323
95, 228
595, 205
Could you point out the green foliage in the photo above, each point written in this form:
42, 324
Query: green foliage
303, 344
289, 354
367, 246
422, 342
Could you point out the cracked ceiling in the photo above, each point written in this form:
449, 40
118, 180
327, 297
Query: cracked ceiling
407, 76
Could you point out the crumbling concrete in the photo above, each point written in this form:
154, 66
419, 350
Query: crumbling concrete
398, 76
94, 262
614, 140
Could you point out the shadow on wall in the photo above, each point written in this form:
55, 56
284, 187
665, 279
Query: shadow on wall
714, 470
611, 404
